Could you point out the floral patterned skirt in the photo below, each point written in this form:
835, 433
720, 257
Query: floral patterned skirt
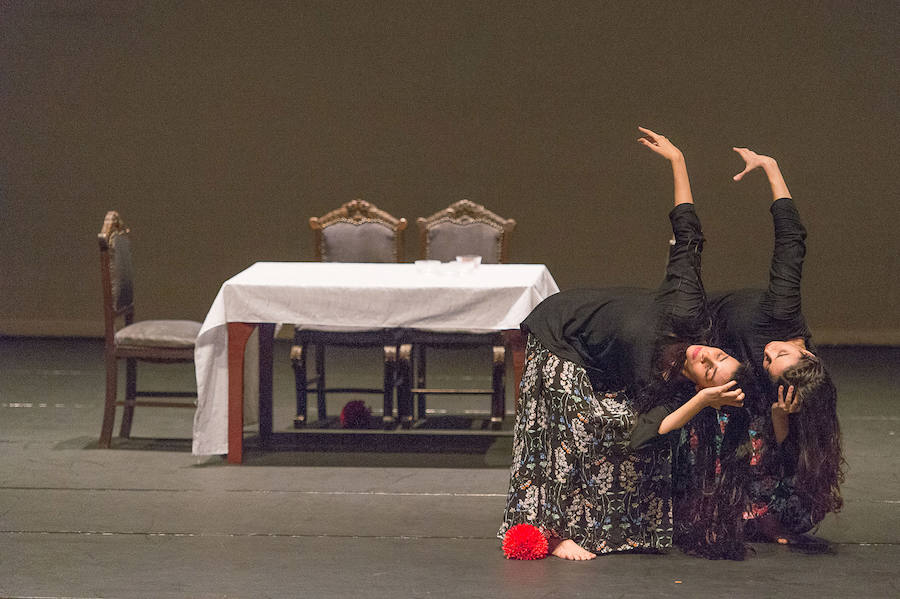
573, 474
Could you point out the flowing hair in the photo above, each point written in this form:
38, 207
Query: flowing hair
815, 436
709, 478
712, 478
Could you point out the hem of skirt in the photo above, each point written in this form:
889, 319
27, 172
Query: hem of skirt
660, 545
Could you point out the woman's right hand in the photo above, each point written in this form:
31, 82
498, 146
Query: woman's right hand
659, 144
723, 395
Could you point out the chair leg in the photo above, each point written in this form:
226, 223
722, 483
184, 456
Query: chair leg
298, 361
321, 405
109, 409
130, 396
498, 398
404, 381
421, 381
390, 373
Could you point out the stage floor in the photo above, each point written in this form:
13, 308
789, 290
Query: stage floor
388, 515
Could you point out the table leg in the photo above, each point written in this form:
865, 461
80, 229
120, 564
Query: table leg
238, 333
266, 344
515, 345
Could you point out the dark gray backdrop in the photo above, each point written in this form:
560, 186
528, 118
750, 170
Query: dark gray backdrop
218, 128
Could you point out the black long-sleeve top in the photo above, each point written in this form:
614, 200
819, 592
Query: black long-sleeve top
744, 321
613, 333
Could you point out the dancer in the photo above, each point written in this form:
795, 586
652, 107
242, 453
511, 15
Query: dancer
797, 459
597, 361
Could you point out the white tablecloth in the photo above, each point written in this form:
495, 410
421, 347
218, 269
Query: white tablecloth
490, 297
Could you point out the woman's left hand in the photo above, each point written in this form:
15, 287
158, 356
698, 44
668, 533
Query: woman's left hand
786, 404
752, 161
659, 144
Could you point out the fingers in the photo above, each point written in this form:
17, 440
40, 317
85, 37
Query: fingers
741, 174
728, 385
789, 400
787, 403
745, 154
650, 145
725, 396
651, 137
735, 398
790, 396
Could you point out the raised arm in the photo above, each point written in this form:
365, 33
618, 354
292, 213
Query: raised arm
786, 270
662, 146
681, 296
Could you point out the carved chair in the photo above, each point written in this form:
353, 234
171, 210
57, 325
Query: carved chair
161, 341
460, 229
356, 232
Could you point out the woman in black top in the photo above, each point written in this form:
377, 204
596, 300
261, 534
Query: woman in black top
590, 355
797, 459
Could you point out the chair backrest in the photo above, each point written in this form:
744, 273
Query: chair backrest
116, 271
358, 232
465, 228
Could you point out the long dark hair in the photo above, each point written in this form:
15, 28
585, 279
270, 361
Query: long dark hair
711, 477
815, 436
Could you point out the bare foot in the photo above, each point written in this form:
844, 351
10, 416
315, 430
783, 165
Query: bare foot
771, 529
569, 549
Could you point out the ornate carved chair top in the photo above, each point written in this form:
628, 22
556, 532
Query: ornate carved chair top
465, 227
358, 231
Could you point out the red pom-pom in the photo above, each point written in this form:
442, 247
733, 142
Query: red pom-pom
524, 541
356, 414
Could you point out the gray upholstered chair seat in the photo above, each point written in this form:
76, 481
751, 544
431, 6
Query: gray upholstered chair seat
159, 333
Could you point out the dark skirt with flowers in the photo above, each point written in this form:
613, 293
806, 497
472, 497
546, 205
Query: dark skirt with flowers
573, 474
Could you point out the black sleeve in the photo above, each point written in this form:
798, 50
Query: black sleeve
646, 427
681, 297
782, 299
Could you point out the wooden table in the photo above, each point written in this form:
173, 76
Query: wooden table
495, 297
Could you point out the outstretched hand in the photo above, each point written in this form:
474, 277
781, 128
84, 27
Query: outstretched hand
723, 395
659, 144
752, 161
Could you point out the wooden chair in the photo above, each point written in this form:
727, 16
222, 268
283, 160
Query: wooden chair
356, 232
162, 341
462, 228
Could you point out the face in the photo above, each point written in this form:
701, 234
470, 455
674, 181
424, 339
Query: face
708, 366
780, 355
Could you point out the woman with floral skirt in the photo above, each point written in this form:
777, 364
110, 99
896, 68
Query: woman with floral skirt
607, 373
